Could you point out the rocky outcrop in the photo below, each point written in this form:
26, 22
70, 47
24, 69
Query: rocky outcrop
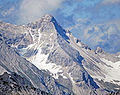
98, 50
13, 84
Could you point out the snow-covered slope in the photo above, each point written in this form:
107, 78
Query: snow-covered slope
112, 70
99, 64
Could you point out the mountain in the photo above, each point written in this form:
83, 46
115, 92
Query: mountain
56, 62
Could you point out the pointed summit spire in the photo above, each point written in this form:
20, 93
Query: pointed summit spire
99, 50
45, 19
48, 17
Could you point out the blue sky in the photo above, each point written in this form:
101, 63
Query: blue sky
93, 10
82, 17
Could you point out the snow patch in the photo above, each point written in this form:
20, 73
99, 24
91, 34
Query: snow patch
31, 34
63, 76
39, 35
71, 78
40, 61
68, 34
15, 46
51, 34
119, 56
112, 71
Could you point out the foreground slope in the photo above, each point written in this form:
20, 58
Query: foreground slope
13, 84
10, 62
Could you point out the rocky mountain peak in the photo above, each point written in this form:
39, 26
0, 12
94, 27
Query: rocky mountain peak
98, 50
45, 20
46, 26
48, 17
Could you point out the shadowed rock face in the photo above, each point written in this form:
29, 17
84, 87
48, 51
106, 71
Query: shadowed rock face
64, 64
13, 84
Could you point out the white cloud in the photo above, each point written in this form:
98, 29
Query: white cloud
31, 10
7, 12
110, 1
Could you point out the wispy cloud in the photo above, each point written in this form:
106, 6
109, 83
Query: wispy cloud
110, 1
7, 12
30, 10
105, 35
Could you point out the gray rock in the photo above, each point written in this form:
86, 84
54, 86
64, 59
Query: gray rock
13, 84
